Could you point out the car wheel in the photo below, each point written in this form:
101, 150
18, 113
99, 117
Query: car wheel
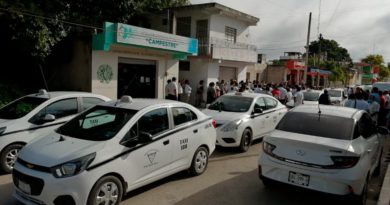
246, 140
199, 161
108, 190
9, 156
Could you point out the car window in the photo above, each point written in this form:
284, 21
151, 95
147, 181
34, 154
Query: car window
328, 126
182, 115
89, 102
97, 124
232, 103
311, 96
271, 103
20, 107
59, 109
154, 122
260, 104
334, 93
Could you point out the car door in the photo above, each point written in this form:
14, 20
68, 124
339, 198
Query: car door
271, 115
367, 128
150, 160
259, 119
185, 135
63, 110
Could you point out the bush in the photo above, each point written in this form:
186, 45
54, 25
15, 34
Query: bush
9, 93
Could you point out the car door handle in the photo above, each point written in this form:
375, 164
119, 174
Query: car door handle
267, 117
166, 142
195, 131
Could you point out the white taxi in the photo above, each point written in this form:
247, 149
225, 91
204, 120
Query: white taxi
35, 115
244, 117
329, 149
111, 149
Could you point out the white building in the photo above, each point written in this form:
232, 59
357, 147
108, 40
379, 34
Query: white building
224, 43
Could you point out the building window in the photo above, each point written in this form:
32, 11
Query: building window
260, 58
202, 36
184, 65
183, 27
230, 34
248, 76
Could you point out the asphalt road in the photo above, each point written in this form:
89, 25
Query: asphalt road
231, 179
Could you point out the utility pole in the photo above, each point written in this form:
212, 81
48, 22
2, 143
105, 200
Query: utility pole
307, 52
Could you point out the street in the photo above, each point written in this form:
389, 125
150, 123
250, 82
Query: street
231, 178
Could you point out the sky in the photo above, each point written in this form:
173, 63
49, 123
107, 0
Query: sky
360, 26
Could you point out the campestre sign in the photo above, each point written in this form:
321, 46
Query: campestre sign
133, 35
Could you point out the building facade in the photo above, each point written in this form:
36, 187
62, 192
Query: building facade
224, 43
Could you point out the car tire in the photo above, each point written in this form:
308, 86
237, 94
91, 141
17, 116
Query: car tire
8, 157
246, 140
107, 190
199, 162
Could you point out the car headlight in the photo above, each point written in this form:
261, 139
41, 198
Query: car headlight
2, 130
73, 167
231, 126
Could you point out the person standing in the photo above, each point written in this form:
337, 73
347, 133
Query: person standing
282, 94
211, 94
324, 98
187, 92
179, 90
172, 89
199, 94
298, 97
166, 88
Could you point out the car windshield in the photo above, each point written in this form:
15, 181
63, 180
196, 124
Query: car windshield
232, 103
97, 124
20, 107
317, 125
311, 96
334, 93
382, 86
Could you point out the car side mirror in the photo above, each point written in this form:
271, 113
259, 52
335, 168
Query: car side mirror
48, 118
383, 130
145, 137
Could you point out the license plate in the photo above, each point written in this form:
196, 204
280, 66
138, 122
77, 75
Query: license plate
24, 187
300, 179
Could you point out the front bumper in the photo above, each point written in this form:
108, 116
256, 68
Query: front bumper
228, 139
76, 188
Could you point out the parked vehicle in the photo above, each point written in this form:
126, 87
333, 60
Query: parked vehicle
337, 95
36, 115
244, 117
382, 86
111, 149
310, 97
329, 149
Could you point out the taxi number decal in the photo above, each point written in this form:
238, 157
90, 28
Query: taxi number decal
183, 144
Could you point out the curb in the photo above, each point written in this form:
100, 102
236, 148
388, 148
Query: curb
384, 197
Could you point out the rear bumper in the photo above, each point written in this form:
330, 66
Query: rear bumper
344, 182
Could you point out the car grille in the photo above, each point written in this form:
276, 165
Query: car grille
36, 184
34, 166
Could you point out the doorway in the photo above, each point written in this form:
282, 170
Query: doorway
136, 78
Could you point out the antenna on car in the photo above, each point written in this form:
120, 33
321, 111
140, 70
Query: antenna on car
319, 112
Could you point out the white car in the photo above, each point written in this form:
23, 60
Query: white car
337, 95
111, 149
244, 117
334, 150
35, 115
310, 97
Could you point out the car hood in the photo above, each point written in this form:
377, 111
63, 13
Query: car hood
310, 102
224, 117
5, 122
56, 149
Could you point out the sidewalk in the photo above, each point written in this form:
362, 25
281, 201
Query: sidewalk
384, 197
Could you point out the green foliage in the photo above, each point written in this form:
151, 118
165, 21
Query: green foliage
329, 48
8, 94
338, 73
374, 60
384, 72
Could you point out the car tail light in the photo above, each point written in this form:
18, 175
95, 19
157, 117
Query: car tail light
343, 162
214, 123
268, 148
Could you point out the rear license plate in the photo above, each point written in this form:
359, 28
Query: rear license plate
300, 179
24, 187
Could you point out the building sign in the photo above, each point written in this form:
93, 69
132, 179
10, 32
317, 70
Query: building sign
291, 64
104, 73
138, 36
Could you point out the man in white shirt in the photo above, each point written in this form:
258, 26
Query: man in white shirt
282, 94
298, 96
172, 89
187, 92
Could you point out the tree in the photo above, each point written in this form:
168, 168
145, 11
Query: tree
330, 49
374, 60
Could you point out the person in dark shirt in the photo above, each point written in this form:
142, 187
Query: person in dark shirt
324, 98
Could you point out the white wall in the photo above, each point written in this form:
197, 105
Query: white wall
198, 71
166, 68
218, 23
